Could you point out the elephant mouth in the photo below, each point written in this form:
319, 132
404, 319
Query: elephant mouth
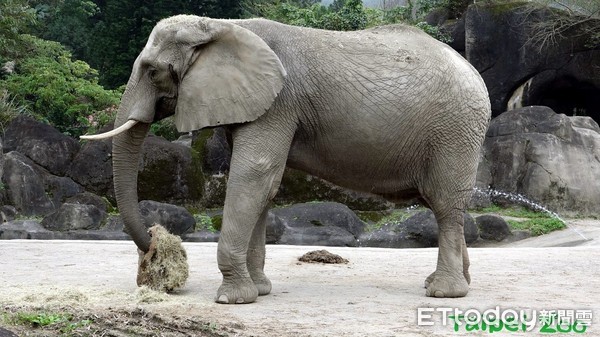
165, 107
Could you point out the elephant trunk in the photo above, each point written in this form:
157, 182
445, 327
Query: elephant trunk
127, 148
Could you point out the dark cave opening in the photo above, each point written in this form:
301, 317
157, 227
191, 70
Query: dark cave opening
571, 97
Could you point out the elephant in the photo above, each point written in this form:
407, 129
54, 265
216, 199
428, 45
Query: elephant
387, 110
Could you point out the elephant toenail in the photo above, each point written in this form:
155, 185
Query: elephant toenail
439, 293
239, 301
223, 299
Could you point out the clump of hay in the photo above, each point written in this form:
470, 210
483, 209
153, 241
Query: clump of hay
144, 294
57, 296
322, 256
164, 267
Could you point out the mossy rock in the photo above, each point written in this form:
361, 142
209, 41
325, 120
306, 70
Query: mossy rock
299, 187
502, 7
170, 172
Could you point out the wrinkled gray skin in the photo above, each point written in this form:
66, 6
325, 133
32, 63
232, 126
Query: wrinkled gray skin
389, 111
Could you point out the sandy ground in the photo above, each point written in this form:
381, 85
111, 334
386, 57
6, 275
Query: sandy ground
377, 294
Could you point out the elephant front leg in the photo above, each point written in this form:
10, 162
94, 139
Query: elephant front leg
257, 164
256, 255
451, 277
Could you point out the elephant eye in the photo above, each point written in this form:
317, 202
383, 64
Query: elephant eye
152, 74
174, 76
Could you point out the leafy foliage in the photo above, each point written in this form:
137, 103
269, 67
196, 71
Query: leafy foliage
165, 128
206, 222
352, 15
434, 31
109, 34
9, 109
15, 17
349, 16
55, 88
41, 319
69, 22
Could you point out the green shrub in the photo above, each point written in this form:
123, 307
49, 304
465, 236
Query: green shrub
351, 16
165, 128
57, 89
9, 109
435, 32
206, 222
15, 17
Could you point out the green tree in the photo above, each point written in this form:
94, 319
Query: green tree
16, 17
70, 22
351, 16
57, 89
122, 28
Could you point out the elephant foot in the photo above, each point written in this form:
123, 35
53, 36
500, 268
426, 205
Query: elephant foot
441, 284
432, 276
239, 291
262, 282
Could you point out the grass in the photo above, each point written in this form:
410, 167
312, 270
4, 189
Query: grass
9, 109
517, 212
64, 323
537, 226
537, 223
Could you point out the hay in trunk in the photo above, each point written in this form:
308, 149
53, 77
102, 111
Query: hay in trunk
164, 267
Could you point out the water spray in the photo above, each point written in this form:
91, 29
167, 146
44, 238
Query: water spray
520, 199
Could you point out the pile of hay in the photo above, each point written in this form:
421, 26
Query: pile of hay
164, 267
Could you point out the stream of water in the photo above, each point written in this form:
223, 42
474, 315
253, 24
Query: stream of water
521, 200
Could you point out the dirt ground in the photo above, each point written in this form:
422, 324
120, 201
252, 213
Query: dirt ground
378, 293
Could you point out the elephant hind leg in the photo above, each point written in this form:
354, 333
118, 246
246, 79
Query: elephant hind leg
256, 255
447, 192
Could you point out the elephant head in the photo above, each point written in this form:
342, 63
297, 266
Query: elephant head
206, 73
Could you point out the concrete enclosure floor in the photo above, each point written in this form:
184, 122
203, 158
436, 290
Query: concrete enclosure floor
377, 294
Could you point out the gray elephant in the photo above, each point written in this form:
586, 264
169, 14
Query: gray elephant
387, 110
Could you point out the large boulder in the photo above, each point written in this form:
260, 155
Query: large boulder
92, 168
42, 143
59, 189
169, 172
7, 213
87, 198
418, 231
504, 43
214, 149
318, 236
24, 184
492, 227
177, 220
73, 217
32, 189
327, 224
275, 228
549, 158
24, 229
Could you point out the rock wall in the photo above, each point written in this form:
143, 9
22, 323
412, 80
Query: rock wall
550, 158
499, 41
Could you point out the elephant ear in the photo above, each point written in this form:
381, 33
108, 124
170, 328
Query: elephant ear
233, 76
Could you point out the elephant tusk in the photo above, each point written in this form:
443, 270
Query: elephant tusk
128, 125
